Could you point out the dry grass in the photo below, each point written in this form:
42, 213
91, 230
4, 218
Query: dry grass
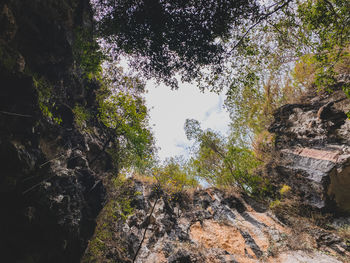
292, 210
342, 68
263, 146
344, 232
144, 178
192, 190
301, 241
307, 226
172, 192
229, 189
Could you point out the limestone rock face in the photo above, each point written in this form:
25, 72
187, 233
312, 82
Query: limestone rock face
211, 226
50, 196
314, 142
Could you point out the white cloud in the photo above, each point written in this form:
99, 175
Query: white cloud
170, 108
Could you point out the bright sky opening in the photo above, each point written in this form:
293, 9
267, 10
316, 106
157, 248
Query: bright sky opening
170, 108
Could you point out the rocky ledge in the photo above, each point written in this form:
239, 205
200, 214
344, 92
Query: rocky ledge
209, 225
313, 141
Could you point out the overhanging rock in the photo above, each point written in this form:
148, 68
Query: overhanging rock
326, 174
313, 140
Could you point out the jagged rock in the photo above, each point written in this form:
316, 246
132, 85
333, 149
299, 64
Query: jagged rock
49, 194
313, 140
302, 256
8, 24
212, 226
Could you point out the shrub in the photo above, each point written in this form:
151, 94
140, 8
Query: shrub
274, 204
122, 109
87, 53
45, 98
116, 211
285, 189
81, 116
174, 176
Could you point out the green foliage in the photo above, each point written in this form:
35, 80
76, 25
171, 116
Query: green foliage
219, 161
87, 53
275, 204
169, 37
255, 38
122, 109
192, 129
251, 108
322, 34
122, 202
285, 189
81, 116
45, 98
348, 114
128, 119
116, 211
284, 199
174, 175
316, 30
327, 21
302, 47
256, 50
304, 72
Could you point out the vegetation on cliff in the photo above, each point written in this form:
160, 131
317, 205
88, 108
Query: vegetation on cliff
263, 56
73, 118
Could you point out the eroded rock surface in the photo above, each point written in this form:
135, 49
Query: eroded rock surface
49, 194
314, 142
210, 226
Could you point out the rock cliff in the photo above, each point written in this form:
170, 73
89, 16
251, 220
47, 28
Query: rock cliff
213, 225
313, 140
209, 225
53, 165
50, 194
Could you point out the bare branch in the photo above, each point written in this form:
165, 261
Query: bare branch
262, 18
16, 114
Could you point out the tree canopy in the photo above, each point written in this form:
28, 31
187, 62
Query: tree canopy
123, 111
262, 53
191, 38
219, 161
172, 36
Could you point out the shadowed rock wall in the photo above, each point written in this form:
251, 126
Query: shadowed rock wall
49, 194
314, 142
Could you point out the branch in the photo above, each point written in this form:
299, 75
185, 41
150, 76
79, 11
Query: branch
214, 148
36, 185
16, 114
113, 135
144, 233
264, 17
332, 7
57, 157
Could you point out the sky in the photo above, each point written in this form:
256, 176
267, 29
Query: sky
170, 108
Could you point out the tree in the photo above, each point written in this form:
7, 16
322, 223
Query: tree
174, 175
287, 32
327, 23
303, 46
166, 37
220, 161
122, 109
